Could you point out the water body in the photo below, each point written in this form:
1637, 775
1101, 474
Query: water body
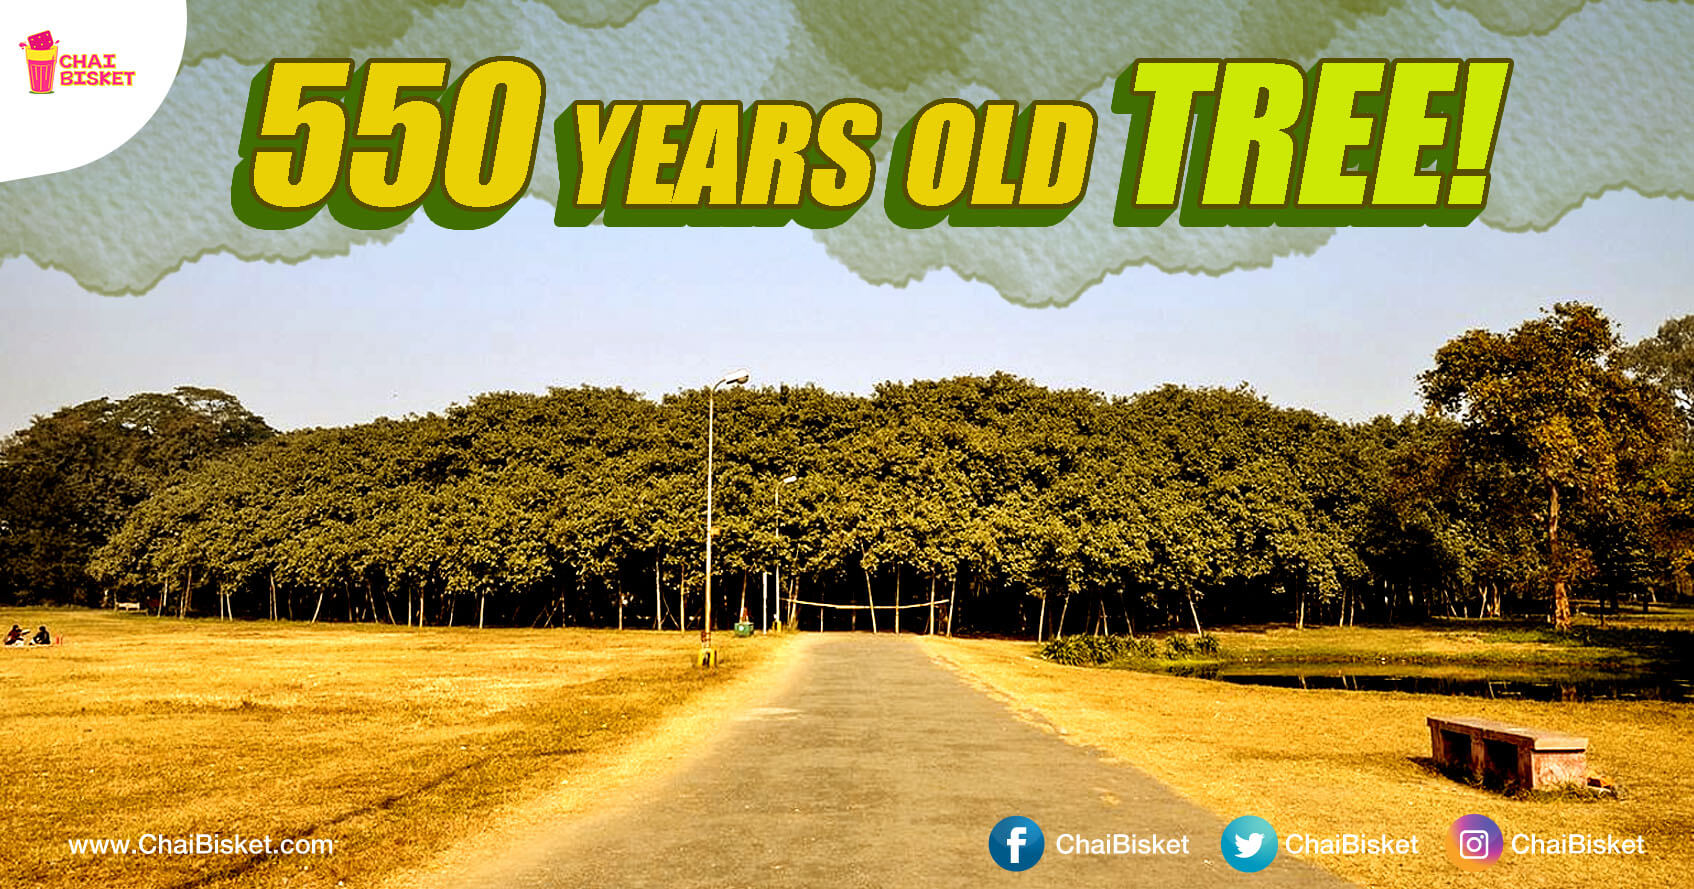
1564, 687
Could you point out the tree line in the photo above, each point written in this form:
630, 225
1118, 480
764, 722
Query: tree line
1553, 462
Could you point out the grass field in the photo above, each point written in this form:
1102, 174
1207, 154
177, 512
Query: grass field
394, 743
1330, 762
1663, 640
1488, 643
1658, 617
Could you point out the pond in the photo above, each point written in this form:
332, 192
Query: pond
1567, 687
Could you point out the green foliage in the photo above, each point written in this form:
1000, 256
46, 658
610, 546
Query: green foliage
1025, 509
1089, 651
1548, 408
1092, 651
1667, 359
1070, 650
70, 480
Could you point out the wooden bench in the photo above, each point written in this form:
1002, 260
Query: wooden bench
129, 606
1500, 751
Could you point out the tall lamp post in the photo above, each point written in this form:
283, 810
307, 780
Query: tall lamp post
708, 657
787, 481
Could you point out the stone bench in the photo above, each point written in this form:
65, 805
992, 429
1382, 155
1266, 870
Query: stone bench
1490, 750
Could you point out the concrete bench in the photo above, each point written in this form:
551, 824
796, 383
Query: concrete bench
1527, 757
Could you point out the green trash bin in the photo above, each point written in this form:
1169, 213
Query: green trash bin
744, 628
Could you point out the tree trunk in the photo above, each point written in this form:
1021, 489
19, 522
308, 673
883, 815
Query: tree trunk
931, 605
870, 597
319, 607
1041, 620
273, 596
1063, 610
1561, 595
187, 590
482, 603
952, 598
1194, 613
897, 573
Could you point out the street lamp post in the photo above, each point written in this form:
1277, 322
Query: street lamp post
787, 481
708, 657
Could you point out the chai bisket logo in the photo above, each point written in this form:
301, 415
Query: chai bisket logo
41, 54
88, 85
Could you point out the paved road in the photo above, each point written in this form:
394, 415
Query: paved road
874, 767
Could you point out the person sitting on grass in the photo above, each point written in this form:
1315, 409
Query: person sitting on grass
16, 636
42, 637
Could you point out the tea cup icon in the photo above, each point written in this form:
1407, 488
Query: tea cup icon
41, 53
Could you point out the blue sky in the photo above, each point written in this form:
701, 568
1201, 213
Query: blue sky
438, 316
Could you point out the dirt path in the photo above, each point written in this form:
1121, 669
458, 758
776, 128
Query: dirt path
872, 766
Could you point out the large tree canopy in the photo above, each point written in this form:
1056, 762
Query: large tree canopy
70, 479
1551, 398
988, 504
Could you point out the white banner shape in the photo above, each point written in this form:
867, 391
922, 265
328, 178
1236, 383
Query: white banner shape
78, 78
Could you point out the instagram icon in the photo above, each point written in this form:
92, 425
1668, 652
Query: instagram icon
1474, 842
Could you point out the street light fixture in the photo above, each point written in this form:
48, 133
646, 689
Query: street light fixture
787, 481
709, 657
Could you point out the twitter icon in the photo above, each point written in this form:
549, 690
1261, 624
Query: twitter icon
1248, 844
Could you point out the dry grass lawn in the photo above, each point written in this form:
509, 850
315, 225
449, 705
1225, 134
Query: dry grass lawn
1328, 762
1480, 642
394, 743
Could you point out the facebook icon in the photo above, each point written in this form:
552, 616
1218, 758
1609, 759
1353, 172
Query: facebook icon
1016, 843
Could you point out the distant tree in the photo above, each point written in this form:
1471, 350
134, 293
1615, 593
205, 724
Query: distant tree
1551, 397
1664, 505
1667, 359
1664, 509
69, 480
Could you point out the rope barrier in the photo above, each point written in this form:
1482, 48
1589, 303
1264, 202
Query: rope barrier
863, 607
